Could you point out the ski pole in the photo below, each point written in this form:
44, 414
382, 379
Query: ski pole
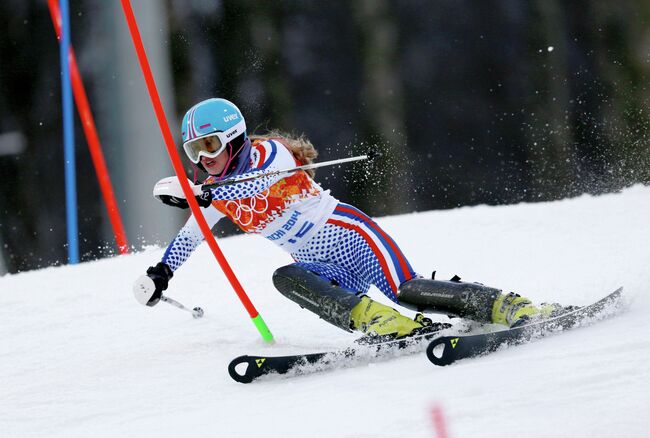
196, 312
227, 182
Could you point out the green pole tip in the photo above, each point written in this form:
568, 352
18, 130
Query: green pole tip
263, 329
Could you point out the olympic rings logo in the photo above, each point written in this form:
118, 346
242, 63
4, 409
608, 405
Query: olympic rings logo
243, 211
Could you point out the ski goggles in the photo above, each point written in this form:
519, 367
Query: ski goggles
208, 146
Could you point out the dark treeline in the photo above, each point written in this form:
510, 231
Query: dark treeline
469, 101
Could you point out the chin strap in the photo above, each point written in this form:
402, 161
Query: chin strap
195, 170
231, 156
224, 172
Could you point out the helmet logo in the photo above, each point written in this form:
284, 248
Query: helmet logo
230, 117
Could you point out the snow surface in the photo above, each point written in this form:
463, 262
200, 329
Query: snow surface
80, 357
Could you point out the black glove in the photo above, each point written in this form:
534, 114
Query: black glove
174, 201
148, 288
204, 200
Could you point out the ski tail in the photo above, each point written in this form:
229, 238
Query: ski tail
245, 369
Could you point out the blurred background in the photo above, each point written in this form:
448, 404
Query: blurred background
471, 102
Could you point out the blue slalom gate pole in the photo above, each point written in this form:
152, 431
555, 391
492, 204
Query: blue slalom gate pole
68, 139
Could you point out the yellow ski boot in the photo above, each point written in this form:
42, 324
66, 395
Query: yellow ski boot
375, 319
514, 310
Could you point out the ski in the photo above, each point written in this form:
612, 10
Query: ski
246, 369
446, 350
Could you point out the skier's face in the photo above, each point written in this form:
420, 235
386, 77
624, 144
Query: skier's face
214, 166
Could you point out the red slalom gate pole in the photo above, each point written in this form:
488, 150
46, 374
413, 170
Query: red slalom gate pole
182, 176
90, 131
438, 420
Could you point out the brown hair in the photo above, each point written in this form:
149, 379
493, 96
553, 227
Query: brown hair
300, 146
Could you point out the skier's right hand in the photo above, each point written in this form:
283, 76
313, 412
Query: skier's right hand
148, 288
169, 192
174, 201
203, 201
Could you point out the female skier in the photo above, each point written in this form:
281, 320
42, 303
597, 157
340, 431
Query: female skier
338, 250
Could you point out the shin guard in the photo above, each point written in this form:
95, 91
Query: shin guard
316, 294
467, 300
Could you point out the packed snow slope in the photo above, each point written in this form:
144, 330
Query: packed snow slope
80, 357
